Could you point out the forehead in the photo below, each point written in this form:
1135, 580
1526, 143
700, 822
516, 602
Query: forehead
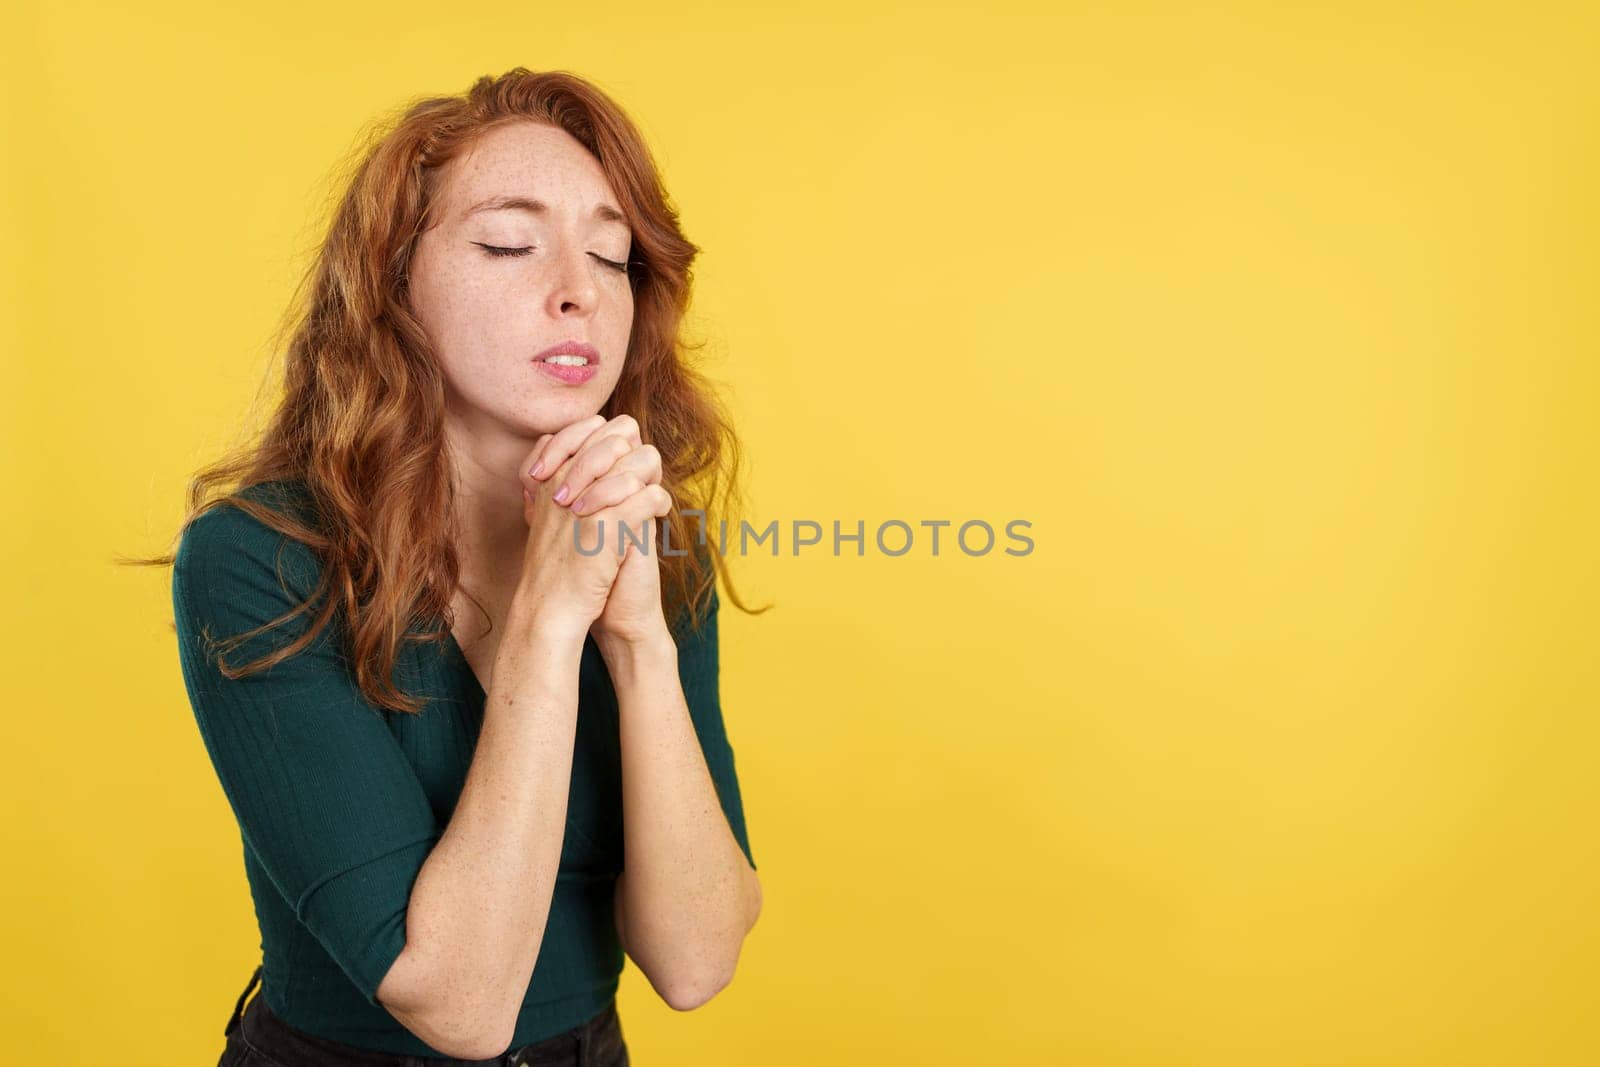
529, 163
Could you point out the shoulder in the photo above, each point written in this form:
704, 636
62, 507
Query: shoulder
226, 541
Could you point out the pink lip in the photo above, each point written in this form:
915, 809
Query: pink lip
569, 375
572, 348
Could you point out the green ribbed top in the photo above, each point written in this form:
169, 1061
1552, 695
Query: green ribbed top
339, 801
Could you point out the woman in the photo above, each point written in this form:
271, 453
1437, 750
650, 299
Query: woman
487, 375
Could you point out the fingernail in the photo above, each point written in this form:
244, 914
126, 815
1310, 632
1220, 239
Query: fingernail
577, 506
562, 494
537, 467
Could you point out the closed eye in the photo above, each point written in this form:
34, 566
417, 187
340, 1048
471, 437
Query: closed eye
496, 251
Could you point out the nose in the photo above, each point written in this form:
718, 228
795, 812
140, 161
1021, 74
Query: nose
572, 284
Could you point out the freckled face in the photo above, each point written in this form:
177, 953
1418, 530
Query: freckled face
495, 286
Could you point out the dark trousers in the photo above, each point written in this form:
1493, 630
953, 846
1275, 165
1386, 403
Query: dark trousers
258, 1038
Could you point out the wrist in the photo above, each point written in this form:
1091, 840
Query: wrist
627, 654
555, 629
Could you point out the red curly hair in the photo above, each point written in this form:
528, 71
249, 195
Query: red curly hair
360, 419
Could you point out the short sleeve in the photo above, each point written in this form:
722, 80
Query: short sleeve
325, 798
698, 670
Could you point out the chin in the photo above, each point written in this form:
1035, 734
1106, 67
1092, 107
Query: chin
549, 414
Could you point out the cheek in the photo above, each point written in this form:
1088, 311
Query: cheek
471, 333
455, 299
619, 327
470, 298
619, 345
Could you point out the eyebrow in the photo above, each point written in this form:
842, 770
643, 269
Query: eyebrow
602, 212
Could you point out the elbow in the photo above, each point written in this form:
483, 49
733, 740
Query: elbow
451, 1027
476, 1044
687, 997
690, 992
482, 1050
753, 898
466, 1046
457, 1030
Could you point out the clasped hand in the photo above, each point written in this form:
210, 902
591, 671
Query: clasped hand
597, 474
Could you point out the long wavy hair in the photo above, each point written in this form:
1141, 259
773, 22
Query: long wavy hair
360, 417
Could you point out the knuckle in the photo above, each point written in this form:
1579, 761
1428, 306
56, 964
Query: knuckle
643, 463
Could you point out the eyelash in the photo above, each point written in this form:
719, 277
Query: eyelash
497, 252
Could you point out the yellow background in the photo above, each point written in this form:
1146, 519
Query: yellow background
1278, 324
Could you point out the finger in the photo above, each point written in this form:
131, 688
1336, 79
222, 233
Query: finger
651, 501
563, 448
661, 497
612, 489
630, 473
646, 461
594, 458
533, 465
561, 444
636, 512
624, 426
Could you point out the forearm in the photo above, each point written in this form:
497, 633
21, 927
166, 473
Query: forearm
687, 895
480, 903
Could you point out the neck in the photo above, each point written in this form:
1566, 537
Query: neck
490, 531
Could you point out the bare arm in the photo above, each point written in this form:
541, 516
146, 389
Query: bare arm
479, 905
688, 896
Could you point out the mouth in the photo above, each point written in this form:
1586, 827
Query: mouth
568, 370
569, 354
